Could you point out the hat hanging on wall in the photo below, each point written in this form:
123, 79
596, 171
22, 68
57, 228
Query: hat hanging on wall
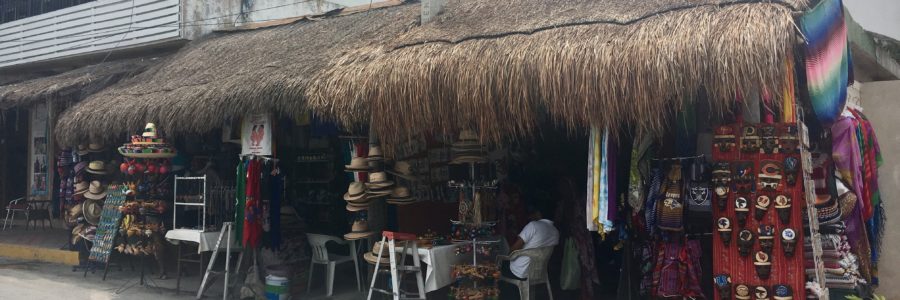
97, 167
357, 164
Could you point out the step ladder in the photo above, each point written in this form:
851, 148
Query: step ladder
210, 274
409, 245
812, 214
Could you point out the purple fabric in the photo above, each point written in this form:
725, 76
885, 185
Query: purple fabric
848, 162
612, 153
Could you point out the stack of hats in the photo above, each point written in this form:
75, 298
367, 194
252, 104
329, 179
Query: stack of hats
357, 197
358, 164
379, 185
467, 149
147, 145
400, 196
93, 204
83, 149
372, 256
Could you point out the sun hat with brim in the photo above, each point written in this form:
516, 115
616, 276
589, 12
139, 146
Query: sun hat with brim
354, 208
468, 159
95, 191
402, 202
82, 150
79, 167
400, 193
94, 148
359, 229
355, 191
403, 170
357, 164
379, 192
92, 209
375, 153
81, 187
97, 167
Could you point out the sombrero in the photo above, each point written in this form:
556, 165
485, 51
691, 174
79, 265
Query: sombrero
92, 210
96, 191
357, 164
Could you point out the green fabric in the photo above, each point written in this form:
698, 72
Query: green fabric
240, 201
570, 276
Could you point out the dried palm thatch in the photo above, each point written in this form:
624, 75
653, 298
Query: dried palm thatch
76, 83
228, 76
501, 66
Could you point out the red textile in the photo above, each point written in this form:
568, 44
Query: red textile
253, 210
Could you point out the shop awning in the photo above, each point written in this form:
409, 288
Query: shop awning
502, 66
71, 85
229, 75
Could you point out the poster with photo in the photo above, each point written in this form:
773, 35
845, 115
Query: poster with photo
39, 165
256, 135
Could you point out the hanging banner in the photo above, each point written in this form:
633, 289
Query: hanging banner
256, 135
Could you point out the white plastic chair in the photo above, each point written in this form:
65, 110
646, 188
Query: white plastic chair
536, 273
320, 256
14, 207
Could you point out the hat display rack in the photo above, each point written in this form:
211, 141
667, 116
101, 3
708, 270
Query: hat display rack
475, 235
83, 173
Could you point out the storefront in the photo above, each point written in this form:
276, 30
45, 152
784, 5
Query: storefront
684, 150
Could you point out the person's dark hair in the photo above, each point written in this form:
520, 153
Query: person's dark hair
542, 206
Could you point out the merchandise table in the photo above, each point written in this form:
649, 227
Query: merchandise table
440, 260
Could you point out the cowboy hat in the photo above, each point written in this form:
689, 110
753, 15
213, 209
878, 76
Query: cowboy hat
357, 164
97, 167
355, 191
403, 170
92, 210
375, 153
96, 191
378, 180
81, 187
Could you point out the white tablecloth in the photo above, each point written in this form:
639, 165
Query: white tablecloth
207, 240
439, 260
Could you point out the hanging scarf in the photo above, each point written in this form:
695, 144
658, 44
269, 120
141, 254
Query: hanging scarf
593, 178
656, 179
827, 59
253, 217
240, 200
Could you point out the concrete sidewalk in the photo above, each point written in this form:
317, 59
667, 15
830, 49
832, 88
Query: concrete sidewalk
37, 244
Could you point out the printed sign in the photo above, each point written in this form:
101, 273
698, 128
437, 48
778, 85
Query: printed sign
256, 135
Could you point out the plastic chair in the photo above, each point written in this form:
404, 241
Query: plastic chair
15, 206
322, 257
536, 273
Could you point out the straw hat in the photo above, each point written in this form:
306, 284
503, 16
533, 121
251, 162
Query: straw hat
355, 208
400, 195
403, 170
149, 131
97, 167
379, 180
79, 167
357, 164
94, 148
355, 191
359, 230
82, 150
467, 139
375, 153
81, 187
95, 191
92, 210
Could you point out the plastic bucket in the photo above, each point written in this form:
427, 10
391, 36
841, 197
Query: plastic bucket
277, 287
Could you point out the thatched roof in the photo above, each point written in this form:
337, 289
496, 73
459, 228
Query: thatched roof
501, 66
76, 83
229, 75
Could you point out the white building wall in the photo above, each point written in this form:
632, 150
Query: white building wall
880, 16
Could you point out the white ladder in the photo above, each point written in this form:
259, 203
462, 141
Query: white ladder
388, 238
812, 214
207, 279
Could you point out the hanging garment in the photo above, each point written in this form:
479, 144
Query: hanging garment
240, 201
827, 59
253, 209
592, 184
677, 272
277, 187
653, 195
612, 208
671, 207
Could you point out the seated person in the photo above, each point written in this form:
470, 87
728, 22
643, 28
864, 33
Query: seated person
540, 232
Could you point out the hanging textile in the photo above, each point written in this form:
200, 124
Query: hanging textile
788, 108
611, 157
253, 209
599, 183
845, 149
656, 179
277, 187
240, 201
592, 181
827, 59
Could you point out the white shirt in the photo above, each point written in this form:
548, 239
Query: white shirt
540, 233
